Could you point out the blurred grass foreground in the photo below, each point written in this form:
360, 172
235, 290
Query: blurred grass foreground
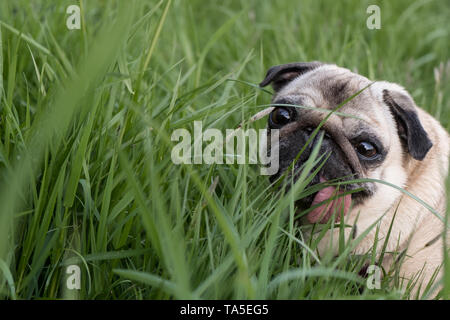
86, 116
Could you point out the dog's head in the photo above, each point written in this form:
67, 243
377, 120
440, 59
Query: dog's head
374, 134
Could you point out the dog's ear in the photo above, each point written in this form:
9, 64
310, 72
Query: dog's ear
281, 75
409, 126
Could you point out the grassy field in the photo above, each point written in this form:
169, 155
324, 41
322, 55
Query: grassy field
85, 123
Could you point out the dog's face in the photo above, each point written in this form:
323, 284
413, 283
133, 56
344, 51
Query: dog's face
374, 135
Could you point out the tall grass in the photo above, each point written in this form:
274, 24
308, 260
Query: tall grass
85, 123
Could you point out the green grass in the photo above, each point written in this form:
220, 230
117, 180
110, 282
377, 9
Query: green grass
85, 123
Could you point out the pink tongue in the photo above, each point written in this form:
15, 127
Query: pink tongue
324, 212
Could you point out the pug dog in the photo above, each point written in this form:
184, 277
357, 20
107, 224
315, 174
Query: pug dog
378, 133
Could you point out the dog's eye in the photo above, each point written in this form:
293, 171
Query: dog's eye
367, 150
280, 116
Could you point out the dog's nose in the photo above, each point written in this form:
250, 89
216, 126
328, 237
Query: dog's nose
317, 138
309, 130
